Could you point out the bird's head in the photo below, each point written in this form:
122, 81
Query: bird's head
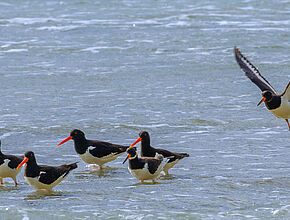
131, 153
267, 96
28, 156
75, 135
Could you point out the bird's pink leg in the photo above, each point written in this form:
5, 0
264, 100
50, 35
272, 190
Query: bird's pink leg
15, 182
288, 124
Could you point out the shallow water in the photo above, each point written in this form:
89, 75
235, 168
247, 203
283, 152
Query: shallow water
114, 68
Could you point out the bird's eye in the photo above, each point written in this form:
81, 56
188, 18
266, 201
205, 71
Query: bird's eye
76, 132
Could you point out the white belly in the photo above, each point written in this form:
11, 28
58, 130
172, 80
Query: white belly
5, 171
33, 182
90, 159
283, 111
144, 174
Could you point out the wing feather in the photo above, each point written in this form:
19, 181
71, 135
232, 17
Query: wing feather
286, 92
252, 72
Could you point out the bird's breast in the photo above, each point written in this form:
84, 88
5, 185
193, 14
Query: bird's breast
6, 171
283, 111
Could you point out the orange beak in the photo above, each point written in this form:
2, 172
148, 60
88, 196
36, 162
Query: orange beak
23, 162
262, 100
138, 140
127, 158
65, 140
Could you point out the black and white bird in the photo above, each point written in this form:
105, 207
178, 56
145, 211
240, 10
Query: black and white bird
278, 105
93, 151
42, 177
144, 168
148, 151
8, 165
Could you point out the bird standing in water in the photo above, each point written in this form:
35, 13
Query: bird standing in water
42, 176
148, 151
144, 168
93, 151
8, 165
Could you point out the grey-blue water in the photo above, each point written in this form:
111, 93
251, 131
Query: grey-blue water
114, 68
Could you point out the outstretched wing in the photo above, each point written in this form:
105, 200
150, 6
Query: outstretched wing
286, 92
252, 72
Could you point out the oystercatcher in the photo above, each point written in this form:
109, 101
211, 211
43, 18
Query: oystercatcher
148, 151
8, 165
278, 105
41, 176
144, 168
92, 151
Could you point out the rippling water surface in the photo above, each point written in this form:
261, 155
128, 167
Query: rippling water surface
113, 68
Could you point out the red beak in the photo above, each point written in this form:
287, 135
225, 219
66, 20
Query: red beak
23, 162
139, 139
65, 140
262, 100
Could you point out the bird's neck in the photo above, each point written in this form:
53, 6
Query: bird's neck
80, 146
134, 162
273, 103
31, 169
146, 149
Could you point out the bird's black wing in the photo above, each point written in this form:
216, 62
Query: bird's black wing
286, 92
152, 163
49, 174
252, 72
14, 160
101, 149
167, 153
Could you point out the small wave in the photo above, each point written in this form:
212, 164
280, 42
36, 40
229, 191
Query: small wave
15, 50
7, 134
29, 21
144, 126
58, 28
9, 115
92, 49
179, 24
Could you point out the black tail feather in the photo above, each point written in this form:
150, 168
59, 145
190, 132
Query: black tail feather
73, 165
181, 156
70, 167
